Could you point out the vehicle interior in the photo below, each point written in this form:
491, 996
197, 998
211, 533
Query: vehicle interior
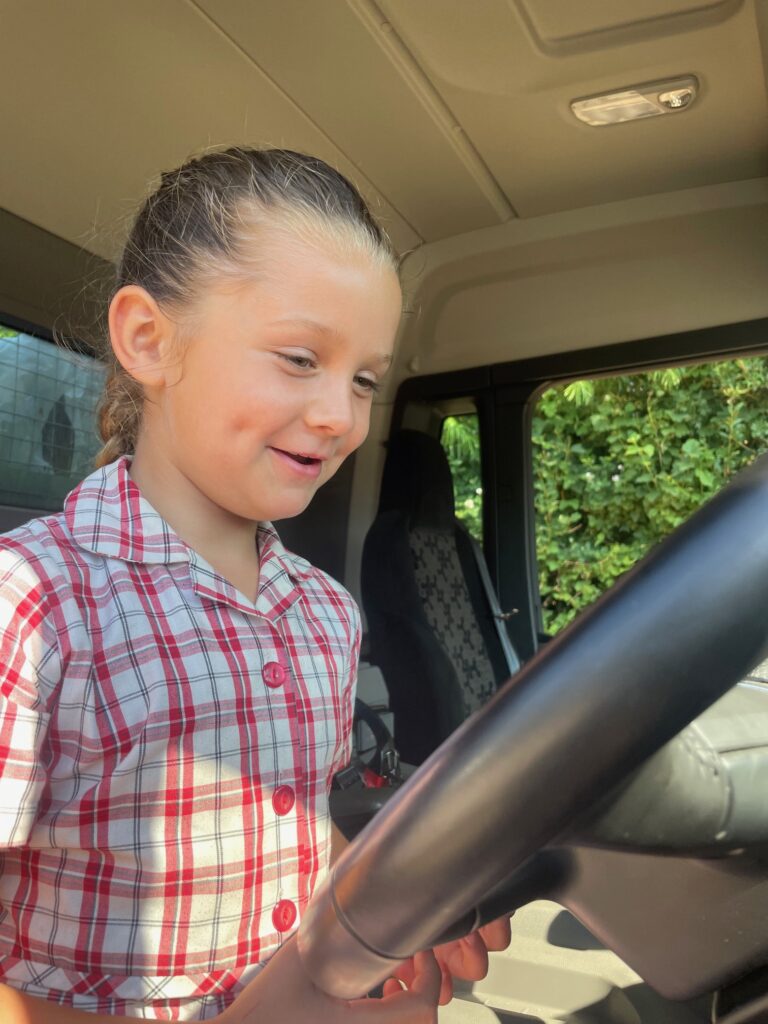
578, 193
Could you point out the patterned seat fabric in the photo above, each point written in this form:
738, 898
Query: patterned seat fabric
449, 611
429, 624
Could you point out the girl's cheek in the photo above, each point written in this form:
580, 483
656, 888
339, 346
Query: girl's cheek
240, 423
361, 431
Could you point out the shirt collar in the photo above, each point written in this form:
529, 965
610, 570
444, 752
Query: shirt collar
106, 514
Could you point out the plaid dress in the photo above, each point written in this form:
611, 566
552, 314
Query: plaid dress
166, 750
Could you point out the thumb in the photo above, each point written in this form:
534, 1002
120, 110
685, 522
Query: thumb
427, 976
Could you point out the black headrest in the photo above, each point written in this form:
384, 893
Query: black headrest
417, 481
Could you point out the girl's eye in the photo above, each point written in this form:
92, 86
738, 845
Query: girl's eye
303, 362
367, 384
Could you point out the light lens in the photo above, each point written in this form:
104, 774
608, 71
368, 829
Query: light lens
639, 102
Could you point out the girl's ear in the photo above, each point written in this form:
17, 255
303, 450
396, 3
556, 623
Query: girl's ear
142, 337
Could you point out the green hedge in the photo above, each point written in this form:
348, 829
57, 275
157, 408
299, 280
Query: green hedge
461, 440
619, 463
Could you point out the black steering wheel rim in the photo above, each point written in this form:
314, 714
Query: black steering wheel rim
649, 657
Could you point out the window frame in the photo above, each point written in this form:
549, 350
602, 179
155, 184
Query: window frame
505, 395
27, 327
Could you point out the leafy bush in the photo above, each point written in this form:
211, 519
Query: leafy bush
619, 462
622, 461
461, 440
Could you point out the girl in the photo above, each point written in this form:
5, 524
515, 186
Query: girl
176, 689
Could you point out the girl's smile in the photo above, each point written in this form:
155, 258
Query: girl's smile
305, 465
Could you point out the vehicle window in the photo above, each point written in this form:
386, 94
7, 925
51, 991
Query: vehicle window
48, 399
460, 438
619, 462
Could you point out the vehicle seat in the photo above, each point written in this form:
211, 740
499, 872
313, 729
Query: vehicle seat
430, 626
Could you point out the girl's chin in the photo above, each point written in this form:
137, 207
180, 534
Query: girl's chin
288, 509
273, 511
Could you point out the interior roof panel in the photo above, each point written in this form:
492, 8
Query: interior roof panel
513, 101
557, 22
105, 95
405, 152
650, 266
447, 113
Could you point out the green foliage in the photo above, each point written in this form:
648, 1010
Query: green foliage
619, 463
8, 332
461, 440
622, 461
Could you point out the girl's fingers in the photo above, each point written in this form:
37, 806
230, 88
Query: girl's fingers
476, 957
427, 977
416, 1005
405, 972
446, 988
497, 934
465, 958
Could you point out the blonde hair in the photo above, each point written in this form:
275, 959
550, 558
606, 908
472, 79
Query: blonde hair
199, 226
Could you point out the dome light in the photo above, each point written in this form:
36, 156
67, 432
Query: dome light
637, 102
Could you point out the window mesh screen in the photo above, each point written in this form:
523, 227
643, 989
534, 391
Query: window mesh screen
48, 438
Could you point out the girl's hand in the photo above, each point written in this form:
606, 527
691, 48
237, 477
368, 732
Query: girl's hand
465, 958
283, 994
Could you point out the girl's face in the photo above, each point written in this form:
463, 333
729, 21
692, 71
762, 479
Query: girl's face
277, 379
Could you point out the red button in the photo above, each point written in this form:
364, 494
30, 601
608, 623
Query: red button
284, 916
283, 800
273, 674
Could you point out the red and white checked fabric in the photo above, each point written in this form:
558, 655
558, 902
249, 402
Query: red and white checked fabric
166, 752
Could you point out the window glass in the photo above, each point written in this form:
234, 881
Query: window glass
619, 462
460, 438
48, 439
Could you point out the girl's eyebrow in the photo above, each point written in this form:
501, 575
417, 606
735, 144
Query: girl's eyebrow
300, 321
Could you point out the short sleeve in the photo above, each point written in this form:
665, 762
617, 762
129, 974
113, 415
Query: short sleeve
348, 693
27, 650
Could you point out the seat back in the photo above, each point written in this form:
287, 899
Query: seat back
430, 626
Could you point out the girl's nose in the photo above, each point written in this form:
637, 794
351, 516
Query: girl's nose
331, 408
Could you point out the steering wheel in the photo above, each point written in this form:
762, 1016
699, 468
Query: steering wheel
665, 643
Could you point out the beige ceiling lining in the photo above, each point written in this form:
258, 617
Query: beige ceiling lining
513, 101
450, 125
333, 64
459, 262
120, 92
363, 183
383, 30
662, 279
644, 267
560, 28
